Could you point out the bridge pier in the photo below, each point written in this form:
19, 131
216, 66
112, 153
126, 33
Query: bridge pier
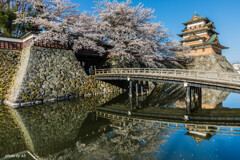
188, 107
199, 102
192, 92
131, 104
137, 101
130, 88
142, 89
196, 92
147, 88
188, 94
137, 88
193, 98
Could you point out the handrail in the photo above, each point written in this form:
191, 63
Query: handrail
218, 128
233, 78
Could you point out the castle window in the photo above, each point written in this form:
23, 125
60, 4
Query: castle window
200, 26
195, 26
203, 49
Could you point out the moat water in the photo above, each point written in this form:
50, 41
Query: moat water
154, 126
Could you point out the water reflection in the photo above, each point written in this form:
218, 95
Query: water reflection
45, 129
173, 105
11, 139
201, 135
52, 127
117, 140
232, 101
119, 127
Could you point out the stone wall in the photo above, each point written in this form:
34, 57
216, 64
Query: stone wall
164, 95
8, 64
212, 98
93, 87
46, 74
211, 62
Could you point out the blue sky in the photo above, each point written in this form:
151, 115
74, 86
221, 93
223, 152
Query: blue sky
172, 13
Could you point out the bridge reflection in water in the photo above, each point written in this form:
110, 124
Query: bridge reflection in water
202, 115
122, 126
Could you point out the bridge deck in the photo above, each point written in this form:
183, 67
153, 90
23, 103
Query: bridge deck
218, 79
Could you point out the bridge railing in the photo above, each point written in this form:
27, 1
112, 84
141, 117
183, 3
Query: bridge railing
218, 128
177, 73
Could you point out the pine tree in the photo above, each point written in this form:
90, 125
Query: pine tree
8, 9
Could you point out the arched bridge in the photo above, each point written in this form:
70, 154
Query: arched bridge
195, 78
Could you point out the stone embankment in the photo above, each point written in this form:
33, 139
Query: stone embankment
211, 62
8, 66
45, 74
212, 99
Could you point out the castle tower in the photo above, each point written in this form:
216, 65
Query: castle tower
199, 34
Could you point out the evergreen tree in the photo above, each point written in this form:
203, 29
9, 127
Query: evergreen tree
8, 15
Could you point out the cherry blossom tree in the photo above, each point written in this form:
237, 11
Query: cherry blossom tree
61, 21
130, 31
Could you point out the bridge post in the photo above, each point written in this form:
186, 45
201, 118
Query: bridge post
137, 88
137, 101
196, 93
142, 89
130, 88
131, 103
200, 97
188, 107
147, 87
188, 94
192, 92
188, 98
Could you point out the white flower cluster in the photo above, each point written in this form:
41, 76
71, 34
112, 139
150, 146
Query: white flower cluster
127, 29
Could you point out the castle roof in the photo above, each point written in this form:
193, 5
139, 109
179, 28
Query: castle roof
193, 37
199, 136
198, 31
196, 18
213, 40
